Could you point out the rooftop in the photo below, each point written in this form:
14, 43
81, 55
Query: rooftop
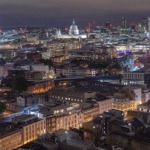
7, 128
145, 105
24, 120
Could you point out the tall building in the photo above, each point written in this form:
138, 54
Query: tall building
124, 23
149, 24
146, 25
108, 25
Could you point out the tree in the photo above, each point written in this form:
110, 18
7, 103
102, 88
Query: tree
20, 84
2, 107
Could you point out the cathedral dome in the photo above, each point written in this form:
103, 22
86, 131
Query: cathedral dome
74, 29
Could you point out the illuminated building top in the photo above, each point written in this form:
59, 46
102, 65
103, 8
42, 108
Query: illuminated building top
73, 29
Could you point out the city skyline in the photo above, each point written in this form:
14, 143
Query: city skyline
60, 13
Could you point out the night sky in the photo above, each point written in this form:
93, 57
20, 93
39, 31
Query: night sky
60, 13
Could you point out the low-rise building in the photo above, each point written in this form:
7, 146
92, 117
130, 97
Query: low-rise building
97, 128
60, 116
145, 107
69, 95
10, 136
124, 105
104, 103
144, 117
89, 110
29, 99
70, 140
124, 102
145, 95
70, 117
32, 127
70, 71
40, 86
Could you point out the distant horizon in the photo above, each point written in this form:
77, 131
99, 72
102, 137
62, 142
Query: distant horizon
81, 23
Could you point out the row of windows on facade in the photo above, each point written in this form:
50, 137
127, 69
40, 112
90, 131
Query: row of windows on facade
11, 140
53, 120
34, 133
67, 98
35, 125
134, 76
16, 144
144, 110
